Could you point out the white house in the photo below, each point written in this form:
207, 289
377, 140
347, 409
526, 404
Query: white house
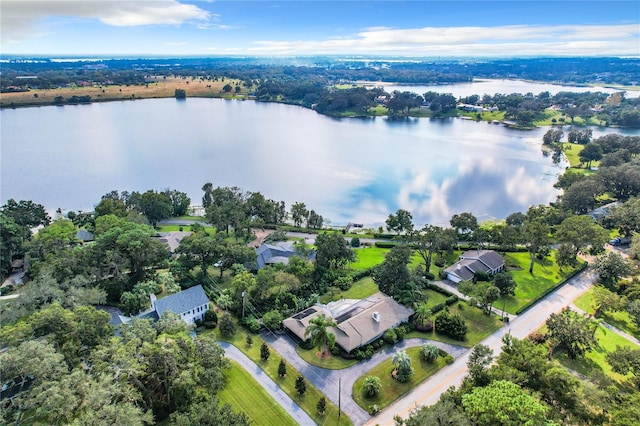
190, 304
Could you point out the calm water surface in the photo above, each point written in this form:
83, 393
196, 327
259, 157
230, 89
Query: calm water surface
491, 87
345, 169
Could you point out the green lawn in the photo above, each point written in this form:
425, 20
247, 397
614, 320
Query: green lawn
620, 319
392, 389
546, 274
572, 151
368, 257
360, 289
245, 395
479, 326
595, 359
330, 363
308, 401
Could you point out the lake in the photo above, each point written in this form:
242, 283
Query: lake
356, 170
491, 87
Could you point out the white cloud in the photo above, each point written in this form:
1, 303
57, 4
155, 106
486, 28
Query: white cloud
20, 18
505, 40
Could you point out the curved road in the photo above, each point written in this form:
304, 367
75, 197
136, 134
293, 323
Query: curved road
327, 380
429, 391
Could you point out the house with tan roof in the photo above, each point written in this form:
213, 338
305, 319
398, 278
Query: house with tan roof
358, 322
473, 261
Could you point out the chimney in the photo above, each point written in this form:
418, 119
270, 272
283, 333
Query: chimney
458, 267
153, 301
376, 316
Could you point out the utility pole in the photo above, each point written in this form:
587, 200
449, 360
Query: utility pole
243, 294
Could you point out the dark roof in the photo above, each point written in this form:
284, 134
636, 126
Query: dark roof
274, 253
181, 302
489, 257
84, 235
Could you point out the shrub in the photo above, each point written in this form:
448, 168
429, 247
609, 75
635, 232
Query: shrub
301, 385
355, 242
344, 282
252, 324
371, 387
264, 352
390, 337
400, 332
227, 326
451, 300
282, 368
429, 353
211, 316
537, 337
306, 344
429, 276
448, 359
273, 320
451, 325
335, 350
249, 340
481, 276
437, 307
439, 262
321, 406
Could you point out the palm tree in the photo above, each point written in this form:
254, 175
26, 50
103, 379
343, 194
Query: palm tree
321, 337
422, 315
429, 352
371, 387
402, 361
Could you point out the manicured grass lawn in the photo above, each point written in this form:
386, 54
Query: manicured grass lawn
433, 297
245, 395
307, 401
546, 274
572, 151
330, 363
479, 326
360, 289
368, 257
595, 359
391, 388
621, 319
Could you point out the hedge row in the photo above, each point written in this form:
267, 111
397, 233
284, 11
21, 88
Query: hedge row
440, 306
462, 247
571, 275
438, 289
358, 275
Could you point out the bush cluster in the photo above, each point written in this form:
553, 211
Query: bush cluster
451, 325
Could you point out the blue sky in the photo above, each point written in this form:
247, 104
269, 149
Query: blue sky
261, 27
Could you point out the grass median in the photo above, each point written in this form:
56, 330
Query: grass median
391, 388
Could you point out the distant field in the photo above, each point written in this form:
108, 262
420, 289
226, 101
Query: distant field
161, 89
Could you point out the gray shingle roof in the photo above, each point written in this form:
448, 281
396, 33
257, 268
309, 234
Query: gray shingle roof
489, 257
181, 302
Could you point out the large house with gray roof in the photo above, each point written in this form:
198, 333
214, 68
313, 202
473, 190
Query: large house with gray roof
190, 304
280, 252
358, 322
473, 261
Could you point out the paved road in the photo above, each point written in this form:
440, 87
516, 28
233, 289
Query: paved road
269, 385
429, 391
327, 380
